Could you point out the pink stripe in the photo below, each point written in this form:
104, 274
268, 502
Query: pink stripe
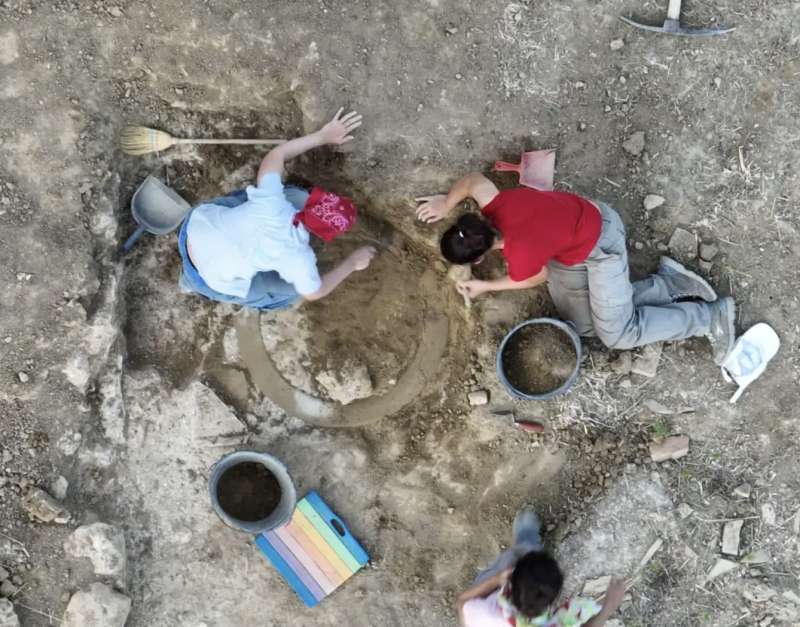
305, 559
297, 567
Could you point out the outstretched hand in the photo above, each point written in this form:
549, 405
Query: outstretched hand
338, 130
472, 288
433, 208
360, 258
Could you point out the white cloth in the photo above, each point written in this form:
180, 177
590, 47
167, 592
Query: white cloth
484, 612
229, 246
749, 357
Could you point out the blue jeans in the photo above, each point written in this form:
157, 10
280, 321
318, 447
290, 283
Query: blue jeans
267, 289
527, 538
599, 298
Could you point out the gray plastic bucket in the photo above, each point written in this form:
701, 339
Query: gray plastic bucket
280, 515
567, 328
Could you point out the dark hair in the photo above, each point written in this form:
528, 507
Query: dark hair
467, 240
535, 583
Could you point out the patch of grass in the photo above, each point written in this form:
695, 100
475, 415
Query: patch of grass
661, 429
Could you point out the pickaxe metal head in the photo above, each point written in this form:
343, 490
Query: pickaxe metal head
672, 25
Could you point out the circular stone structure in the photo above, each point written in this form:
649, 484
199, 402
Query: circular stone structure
363, 352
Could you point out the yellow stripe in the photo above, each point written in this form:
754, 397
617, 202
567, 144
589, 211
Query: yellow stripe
319, 542
330, 537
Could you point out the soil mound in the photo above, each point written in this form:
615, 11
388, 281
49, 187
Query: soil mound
248, 492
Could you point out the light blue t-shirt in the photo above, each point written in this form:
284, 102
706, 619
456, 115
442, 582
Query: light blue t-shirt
229, 246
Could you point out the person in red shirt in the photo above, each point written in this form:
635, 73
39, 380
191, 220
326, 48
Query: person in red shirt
578, 247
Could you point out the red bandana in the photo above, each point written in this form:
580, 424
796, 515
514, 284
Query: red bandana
327, 215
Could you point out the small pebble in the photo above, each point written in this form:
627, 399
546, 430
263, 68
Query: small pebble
651, 201
478, 398
24, 378
617, 44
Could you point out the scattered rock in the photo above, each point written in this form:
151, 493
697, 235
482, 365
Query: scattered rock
768, 514
705, 266
347, 383
622, 364
758, 593
99, 606
617, 44
662, 410
104, 545
685, 510
69, 443
634, 145
8, 617
651, 201
731, 537
8, 589
759, 556
683, 245
743, 491
59, 487
708, 251
674, 447
115, 12
596, 587
646, 362
720, 568
42, 507
478, 398
23, 377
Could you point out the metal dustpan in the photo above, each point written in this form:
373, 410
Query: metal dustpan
157, 209
536, 169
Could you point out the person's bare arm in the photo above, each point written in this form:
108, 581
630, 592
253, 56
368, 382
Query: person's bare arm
613, 599
337, 131
475, 287
357, 260
474, 185
482, 590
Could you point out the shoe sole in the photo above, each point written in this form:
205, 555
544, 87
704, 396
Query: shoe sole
673, 265
729, 307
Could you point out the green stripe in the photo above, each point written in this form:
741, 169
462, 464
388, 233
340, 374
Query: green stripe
330, 537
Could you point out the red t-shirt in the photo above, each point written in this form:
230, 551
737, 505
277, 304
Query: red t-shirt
540, 226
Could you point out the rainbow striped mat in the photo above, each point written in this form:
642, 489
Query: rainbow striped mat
314, 552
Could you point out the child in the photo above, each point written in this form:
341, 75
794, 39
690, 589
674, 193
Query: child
522, 585
578, 247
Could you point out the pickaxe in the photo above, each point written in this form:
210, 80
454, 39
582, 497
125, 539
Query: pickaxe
672, 25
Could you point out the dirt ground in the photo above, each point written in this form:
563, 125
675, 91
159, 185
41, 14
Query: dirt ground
129, 390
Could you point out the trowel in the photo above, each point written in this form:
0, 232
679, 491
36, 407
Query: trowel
536, 169
530, 425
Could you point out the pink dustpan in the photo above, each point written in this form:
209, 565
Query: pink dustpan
536, 169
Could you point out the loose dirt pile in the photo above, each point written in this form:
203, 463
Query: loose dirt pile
248, 491
539, 358
357, 341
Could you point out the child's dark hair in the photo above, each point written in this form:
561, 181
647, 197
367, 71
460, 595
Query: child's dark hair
467, 240
536, 582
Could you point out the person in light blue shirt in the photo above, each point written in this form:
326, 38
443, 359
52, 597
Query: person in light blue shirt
246, 249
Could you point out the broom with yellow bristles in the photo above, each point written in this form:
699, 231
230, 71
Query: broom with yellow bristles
140, 140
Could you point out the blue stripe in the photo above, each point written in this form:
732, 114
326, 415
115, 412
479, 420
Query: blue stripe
347, 539
288, 574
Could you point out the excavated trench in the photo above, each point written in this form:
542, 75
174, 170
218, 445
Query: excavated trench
375, 345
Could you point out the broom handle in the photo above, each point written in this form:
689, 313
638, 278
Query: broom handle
272, 142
